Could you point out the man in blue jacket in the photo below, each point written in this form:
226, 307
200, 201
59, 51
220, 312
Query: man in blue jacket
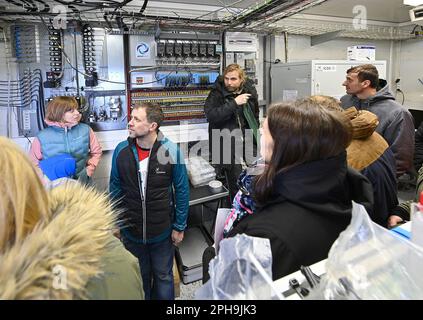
149, 179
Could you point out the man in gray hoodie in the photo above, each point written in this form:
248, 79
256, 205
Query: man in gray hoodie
395, 122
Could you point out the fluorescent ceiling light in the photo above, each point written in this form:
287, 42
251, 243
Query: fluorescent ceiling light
413, 2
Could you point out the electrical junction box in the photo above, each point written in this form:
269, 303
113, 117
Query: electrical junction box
361, 53
241, 42
142, 50
290, 81
416, 15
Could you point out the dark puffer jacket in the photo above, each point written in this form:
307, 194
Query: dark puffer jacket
221, 108
311, 205
395, 124
153, 219
418, 149
222, 112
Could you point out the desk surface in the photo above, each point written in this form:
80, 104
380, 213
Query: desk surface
204, 194
282, 284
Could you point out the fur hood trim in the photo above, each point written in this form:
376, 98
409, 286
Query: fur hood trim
56, 260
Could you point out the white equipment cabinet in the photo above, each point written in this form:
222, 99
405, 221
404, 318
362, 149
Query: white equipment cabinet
325, 77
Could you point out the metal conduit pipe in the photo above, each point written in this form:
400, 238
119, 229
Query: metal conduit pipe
290, 8
266, 8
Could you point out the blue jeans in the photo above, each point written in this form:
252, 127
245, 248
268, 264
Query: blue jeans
156, 263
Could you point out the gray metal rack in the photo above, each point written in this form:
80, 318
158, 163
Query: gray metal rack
196, 238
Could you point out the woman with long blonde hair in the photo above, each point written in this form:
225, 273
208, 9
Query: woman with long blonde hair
23, 200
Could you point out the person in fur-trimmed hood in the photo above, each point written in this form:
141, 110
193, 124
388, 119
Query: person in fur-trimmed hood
58, 244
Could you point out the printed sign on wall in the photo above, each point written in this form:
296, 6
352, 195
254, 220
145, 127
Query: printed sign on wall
326, 68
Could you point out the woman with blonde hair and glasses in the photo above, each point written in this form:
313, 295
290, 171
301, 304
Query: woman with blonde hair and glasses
58, 244
304, 196
65, 135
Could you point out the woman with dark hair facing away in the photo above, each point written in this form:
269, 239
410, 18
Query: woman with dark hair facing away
65, 135
304, 196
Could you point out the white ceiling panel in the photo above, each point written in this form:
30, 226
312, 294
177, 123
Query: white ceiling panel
378, 10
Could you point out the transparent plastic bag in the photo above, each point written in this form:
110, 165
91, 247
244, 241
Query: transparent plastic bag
241, 271
371, 262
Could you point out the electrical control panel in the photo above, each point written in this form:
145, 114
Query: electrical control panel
89, 56
179, 76
175, 69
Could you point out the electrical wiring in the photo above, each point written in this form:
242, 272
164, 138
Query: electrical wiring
33, 86
403, 95
14, 81
24, 96
46, 6
19, 83
8, 115
29, 141
13, 104
98, 5
31, 93
125, 2
32, 4
26, 101
89, 76
15, 3
24, 86
140, 12
21, 86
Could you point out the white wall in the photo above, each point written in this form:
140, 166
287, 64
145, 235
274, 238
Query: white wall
409, 70
102, 172
404, 60
300, 49
260, 69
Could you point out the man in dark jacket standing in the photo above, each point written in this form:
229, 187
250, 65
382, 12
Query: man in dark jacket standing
395, 122
232, 105
145, 170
